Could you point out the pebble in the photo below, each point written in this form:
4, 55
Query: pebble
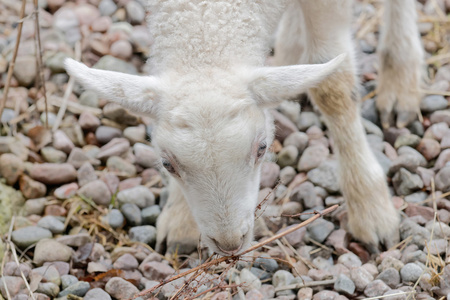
410, 140
350, 260
344, 285
49, 273
154, 270
390, 276
115, 218
86, 174
27, 236
146, 156
51, 223
287, 174
79, 289
432, 103
116, 147
298, 140
132, 214
53, 155
35, 206
376, 288
75, 240
320, 229
287, 156
97, 191
78, 157
361, 278
121, 49
126, 262
106, 133
410, 272
139, 195
62, 142
249, 281
135, 12
145, 234
66, 191
11, 167
52, 174
312, 157
429, 148
308, 119
282, 278
283, 126
150, 214
97, 294
120, 166
89, 98
31, 188
326, 176
48, 288
88, 121
68, 280
265, 262
442, 179
13, 283
121, 289
406, 183
25, 70
119, 114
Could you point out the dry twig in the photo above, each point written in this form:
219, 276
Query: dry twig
207, 265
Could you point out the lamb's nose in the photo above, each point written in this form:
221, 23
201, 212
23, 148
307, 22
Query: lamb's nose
230, 248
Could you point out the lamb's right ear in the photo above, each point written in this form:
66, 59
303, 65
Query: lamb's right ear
136, 93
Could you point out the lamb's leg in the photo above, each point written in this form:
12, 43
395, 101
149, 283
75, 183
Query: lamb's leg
401, 62
176, 228
372, 216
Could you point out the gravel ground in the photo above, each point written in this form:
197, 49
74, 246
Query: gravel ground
87, 195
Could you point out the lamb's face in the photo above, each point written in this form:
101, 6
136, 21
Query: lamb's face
213, 145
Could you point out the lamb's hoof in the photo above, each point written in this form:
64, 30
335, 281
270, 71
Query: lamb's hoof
397, 110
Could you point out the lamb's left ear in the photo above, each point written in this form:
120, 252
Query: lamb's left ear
136, 93
271, 85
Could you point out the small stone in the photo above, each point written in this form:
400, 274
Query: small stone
115, 218
135, 12
35, 206
120, 166
406, 183
344, 284
287, 156
308, 119
31, 188
119, 288
88, 121
350, 260
27, 236
282, 278
53, 174
253, 294
52, 155
12, 269
78, 157
298, 140
132, 214
49, 273
66, 191
139, 195
75, 240
390, 262
150, 214
126, 262
97, 191
320, 230
62, 142
437, 247
51, 223
89, 98
79, 289
116, 147
25, 70
326, 295
121, 49
154, 270
145, 234
107, 7
410, 140
339, 239
86, 174
48, 288
429, 148
249, 280
119, 114
326, 176
269, 174
436, 131
146, 156
312, 157
97, 294
104, 134
287, 174
284, 126
68, 280
418, 233
433, 103
442, 159
13, 283
390, 276
361, 277
376, 288
11, 167
442, 179
410, 272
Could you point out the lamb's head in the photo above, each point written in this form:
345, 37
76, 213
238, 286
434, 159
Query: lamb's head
212, 132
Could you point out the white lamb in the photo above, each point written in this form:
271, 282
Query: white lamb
210, 93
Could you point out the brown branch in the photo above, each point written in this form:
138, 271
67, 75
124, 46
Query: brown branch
219, 260
13, 60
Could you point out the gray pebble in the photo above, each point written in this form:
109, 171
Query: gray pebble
390, 276
344, 285
150, 214
282, 278
97, 294
432, 103
115, 218
320, 230
139, 195
68, 280
410, 272
51, 223
79, 289
326, 176
406, 183
145, 234
132, 214
27, 236
266, 263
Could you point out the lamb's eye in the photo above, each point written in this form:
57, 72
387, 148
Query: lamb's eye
169, 167
261, 149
